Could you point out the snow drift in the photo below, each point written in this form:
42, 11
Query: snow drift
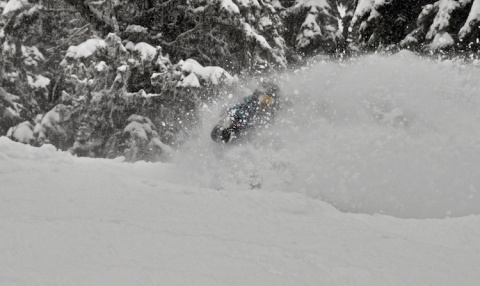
80, 221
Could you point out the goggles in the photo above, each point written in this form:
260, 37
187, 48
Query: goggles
267, 99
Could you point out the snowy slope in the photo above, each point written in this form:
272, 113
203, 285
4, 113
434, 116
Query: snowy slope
71, 221
195, 220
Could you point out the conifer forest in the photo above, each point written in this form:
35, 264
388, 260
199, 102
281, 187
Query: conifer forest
109, 78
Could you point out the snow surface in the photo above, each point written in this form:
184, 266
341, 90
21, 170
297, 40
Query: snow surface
67, 220
388, 133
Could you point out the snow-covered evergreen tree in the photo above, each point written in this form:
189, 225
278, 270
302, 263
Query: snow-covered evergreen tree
22, 61
54, 128
234, 34
32, 36
10, 110
447, 25
142, 141
313, 26
83, 75
381, 23
106, 81
428, 25
22, 133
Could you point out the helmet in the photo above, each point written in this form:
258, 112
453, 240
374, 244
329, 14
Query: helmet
270, 88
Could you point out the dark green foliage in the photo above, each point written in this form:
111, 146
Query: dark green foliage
122, 103
137, 95
395, 20
418, 25
34, 38
198, 29
312, 28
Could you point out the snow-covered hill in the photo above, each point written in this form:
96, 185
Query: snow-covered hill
397, 135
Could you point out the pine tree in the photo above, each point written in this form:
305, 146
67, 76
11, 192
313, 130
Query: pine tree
232, 34
313, 26
32, 37
447, 25
380, 24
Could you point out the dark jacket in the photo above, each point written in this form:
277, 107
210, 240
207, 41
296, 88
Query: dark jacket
257, 110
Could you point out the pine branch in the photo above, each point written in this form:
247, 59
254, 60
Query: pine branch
79, 31
180, 37
84, 7
59, 11
217, 40
150, 12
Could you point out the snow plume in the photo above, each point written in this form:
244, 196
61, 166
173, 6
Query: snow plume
396, 135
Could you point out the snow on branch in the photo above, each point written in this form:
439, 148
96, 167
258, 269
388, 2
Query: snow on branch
209, 74
85, 49
472, 20
441, 40
312, 4
14, 5
78, 32
146, 51
250, 32
442, 19
229, 6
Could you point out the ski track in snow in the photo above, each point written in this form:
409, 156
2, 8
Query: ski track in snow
376, 139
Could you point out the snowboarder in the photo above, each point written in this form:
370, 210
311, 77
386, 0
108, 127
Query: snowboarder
256, 111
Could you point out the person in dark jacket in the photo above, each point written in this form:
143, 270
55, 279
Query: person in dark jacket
255, 111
